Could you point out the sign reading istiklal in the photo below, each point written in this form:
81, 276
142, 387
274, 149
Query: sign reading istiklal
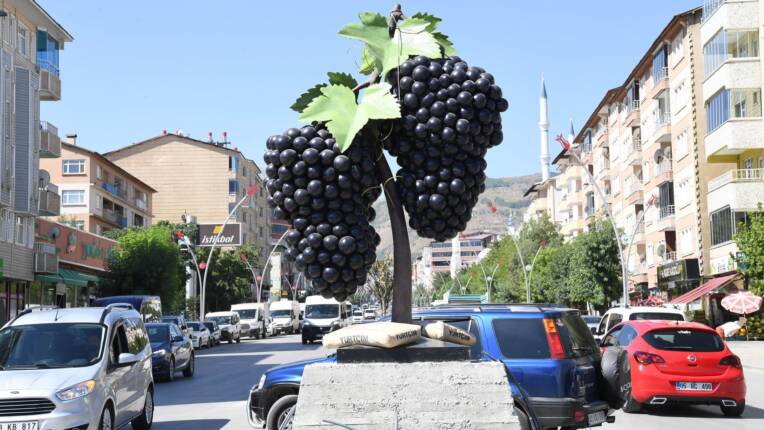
231, 235
75, 246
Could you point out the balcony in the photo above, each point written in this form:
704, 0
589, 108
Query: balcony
141, 204
632, 119
114, 189
50, 142
666, 211
665, 220
663, 172
735, 137
663, 127
634, 151
50, 201
50, 84
115, 217
634, 192
669, 257
741, 189
45, 258
601, 136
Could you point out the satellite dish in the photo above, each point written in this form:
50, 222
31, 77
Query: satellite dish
661, 250
44, 179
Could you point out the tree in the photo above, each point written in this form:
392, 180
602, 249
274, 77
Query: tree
229, 280
380, 282
750, 242
147, 261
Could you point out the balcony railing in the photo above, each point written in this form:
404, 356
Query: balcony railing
635, 145
115, 217
114, 189
663, 167
50, 84
662, 74
50, 201
669, 256
589, 211
141, 204
666, 211
45, 259
663, 119
50, 142
736, 175
635, 105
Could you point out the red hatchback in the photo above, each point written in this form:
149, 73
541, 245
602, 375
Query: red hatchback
675, 361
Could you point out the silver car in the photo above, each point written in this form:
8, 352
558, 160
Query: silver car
77, 368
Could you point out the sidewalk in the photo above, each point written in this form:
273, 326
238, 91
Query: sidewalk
751, 353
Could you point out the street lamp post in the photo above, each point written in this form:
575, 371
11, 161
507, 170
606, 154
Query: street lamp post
624, 270
512, 232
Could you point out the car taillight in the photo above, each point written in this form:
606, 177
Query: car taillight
553, 336
579, 416
648, 358
731, 360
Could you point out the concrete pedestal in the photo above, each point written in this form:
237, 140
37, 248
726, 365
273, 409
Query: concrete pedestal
424, 395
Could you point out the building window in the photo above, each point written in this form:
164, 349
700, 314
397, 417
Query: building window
99, 171
73, 167
677, 49
685, 241
261, 232
233, 187
717, 110
683, 193
729, 44
722, 228
73, 197
682, 145
736, 103
233, 163
746, 103
23, 40
660, 64
75, 223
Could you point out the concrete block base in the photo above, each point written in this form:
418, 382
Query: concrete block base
447, 395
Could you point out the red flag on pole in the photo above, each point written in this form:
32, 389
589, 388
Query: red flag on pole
491, 207
244, 257
252, 190
652, 200
564, 142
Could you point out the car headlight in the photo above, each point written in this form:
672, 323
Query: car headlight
306, 322
159, 353
261, 384
76, 391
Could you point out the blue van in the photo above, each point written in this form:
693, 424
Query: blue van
150, 307
550, 352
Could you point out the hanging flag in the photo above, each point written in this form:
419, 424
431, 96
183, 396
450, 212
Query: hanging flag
564, 142
652, 200
252, 190
491, 207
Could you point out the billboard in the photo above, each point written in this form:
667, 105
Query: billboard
208, 232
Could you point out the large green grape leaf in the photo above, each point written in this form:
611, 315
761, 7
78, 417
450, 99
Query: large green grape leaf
410, 38
340, 78
335, 78
443, 40
367, 62
337, 107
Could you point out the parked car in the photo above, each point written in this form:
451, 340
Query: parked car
615, 316
76, 368
180, 321
215, 333
229, 322
323, 316
357, 316
549, 350
592, 321
200, 336
673, 362
150, 307
253, 319
172, 351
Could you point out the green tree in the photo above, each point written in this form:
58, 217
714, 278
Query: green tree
380, 283
750, 242
147, 261
229, 279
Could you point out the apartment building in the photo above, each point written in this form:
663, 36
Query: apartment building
29, 74
96, 194
734, 131
448, 258
201, 178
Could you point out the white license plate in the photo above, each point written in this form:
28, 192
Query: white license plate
26, 425
596, 418
694, 386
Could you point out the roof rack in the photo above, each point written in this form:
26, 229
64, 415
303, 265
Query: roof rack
31, 309
111, 306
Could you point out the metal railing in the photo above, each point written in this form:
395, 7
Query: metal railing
589, 211
669, 256
635, 105
736, 175
663, 167
663, 119
114, 189
633, 146
666, 211
662, 74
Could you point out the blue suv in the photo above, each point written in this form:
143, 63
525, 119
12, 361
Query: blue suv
550, 352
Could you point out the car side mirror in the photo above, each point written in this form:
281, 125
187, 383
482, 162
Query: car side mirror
127, 359
594, 330
178, 339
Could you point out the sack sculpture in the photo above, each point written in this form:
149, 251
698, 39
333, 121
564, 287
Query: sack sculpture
381, 334
448, 333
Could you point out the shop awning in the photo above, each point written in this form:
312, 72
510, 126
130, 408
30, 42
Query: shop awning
68, 277
708, 287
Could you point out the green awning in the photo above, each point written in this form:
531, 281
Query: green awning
68, 277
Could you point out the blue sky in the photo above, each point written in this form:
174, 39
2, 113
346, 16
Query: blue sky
138, 67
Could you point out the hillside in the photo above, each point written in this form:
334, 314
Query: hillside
506, 193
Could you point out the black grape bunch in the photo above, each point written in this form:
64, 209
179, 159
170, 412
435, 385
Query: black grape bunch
451, 115
326, 196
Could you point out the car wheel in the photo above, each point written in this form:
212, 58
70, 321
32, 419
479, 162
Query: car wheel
630, 405
170, 371
522, 417
144, 421
281, 414
734, 411
107, 419
238, 339
189, 370
304, 341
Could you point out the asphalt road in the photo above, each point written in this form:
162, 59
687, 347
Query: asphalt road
215, 397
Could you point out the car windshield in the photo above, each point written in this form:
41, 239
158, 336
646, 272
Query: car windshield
195, 326
682, 339
580, 341
590, 319
656, 316
322, 311
281, 313
357, 313
221, 319
46, 346
173, 320
158, 333
210, 325
247, 314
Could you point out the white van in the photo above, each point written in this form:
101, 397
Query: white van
229, 323
616, 315
253, 319
323, 316
286, 316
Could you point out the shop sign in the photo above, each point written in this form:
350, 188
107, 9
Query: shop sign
682, 270
75, 246
231, 235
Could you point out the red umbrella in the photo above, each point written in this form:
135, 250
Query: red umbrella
742, 302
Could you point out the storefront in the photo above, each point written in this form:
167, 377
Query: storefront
678, 277
81, 259
705, 301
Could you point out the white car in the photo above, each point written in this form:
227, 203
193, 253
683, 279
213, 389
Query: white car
229, 323
76, 368
369, 314
357, 317
616, 315
200, 335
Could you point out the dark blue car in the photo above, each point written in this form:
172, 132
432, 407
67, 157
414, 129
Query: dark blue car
549, 351
171, 351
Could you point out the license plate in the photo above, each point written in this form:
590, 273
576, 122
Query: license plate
596, 418
26, 425
694, 386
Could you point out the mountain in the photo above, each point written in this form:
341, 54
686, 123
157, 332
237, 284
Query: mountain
506, 193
